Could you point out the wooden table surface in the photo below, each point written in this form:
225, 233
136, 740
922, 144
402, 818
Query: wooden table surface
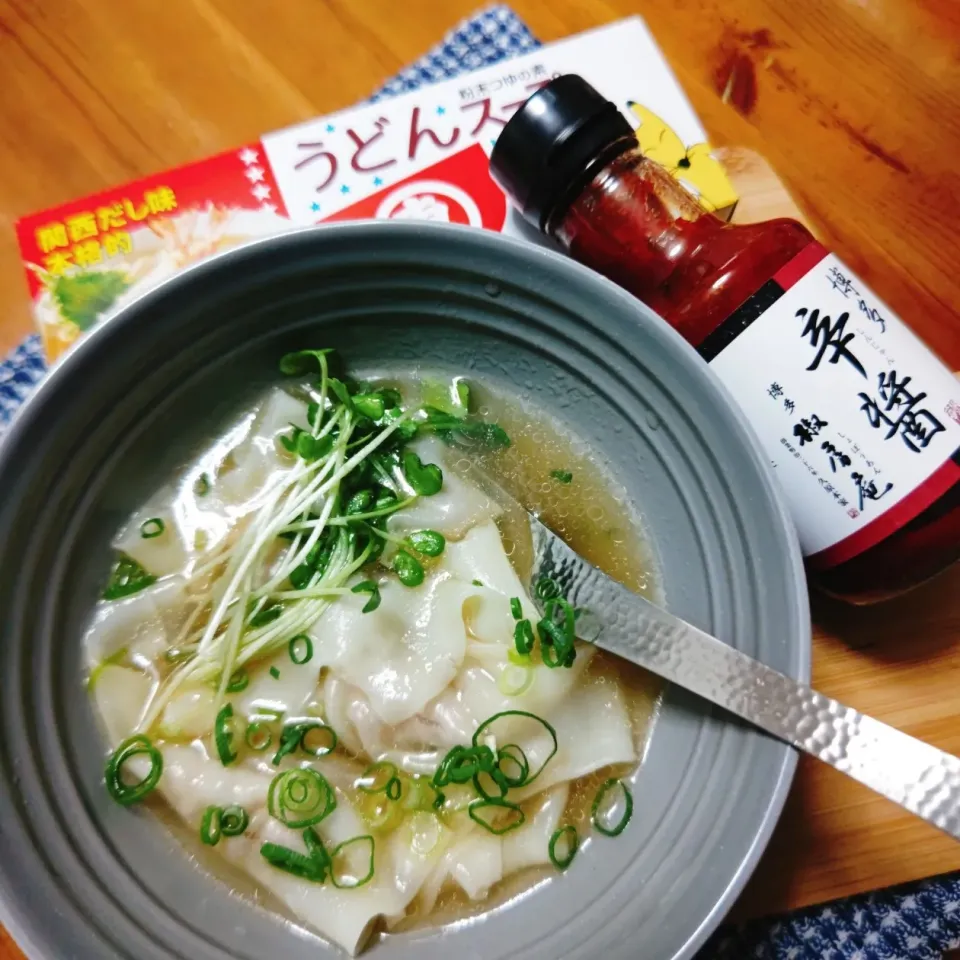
856, 104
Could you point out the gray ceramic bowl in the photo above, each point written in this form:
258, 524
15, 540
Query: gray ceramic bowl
83, 878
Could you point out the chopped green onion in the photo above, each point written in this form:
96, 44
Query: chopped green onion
516, 608
557, 636
462, 764
515, 679
523, 637
239, 680
290, 861
379, 812
478, 583
290, 737
202, 485
519, 659
561, 476
127, 577
368, 586
318, 731
223, 735
421, 794
317, 852
152, 528
343, 880
478, 734
600, 813
275, 673
547, 588
426, 831
211, 826
507, 753
377, 777
488, 813
425, 479
408, 569
258, 736
300, 798
115, 658
128, 793
570, 838
233, 821
500, 785
428, 542
394, 788
300, 649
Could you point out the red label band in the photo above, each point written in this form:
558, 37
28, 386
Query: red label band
899, 515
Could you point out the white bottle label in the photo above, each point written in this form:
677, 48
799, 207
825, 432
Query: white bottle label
860, 420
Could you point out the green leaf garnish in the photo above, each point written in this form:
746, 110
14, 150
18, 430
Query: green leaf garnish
468, 432
266, 615
304, 361
368, 586
428, 542
562, 476
369, 405
341, 392
408, 569
452, 398
425, 479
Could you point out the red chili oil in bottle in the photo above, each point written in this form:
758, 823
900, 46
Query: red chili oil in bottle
856, 414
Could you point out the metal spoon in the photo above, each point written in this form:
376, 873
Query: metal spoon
919, 777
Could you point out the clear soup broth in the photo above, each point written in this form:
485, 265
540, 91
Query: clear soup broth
307, 660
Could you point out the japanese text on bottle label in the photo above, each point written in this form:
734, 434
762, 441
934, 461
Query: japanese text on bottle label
853, 411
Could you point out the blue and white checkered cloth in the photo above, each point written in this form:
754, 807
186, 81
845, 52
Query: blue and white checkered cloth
917, 922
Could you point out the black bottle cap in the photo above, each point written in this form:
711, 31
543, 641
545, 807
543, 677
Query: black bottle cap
544, 155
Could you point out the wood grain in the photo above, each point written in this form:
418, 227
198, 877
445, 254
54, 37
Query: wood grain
854, 104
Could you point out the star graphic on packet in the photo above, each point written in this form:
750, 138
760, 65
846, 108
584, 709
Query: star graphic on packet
248, 156
261, 191
254, 174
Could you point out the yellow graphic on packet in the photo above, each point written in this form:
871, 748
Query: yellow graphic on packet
695, 167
